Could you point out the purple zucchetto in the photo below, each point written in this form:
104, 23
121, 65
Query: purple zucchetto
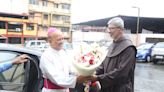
51, 30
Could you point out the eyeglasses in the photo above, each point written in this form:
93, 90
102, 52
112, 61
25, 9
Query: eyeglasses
112, 28
109, 29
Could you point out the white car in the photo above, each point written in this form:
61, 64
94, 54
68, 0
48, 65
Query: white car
35, 44
43, 47
158, 52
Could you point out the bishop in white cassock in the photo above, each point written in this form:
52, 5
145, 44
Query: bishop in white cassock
54, 65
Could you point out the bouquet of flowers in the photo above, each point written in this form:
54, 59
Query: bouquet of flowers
86, 63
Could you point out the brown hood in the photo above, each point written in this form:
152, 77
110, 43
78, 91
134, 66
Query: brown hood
118, 46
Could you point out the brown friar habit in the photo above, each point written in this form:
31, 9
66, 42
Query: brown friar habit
116, 73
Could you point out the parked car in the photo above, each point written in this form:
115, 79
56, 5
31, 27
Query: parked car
42, 47
67, 46
24, 77
158, 52
144, 52
35, 44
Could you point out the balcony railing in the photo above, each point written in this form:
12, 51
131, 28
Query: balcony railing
61, 24
39, 8
61, 1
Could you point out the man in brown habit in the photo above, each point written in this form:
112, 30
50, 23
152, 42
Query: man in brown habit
116, 73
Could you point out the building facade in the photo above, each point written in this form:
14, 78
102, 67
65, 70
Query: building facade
32, 20
51, 13
17, 28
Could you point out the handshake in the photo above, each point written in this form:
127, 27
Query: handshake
91, 81
82, 79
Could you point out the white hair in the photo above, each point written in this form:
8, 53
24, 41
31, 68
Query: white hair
117, 21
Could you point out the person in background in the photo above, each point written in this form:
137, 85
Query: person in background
116, 73
7, 65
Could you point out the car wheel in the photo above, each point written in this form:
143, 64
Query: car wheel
148, 59
155, 61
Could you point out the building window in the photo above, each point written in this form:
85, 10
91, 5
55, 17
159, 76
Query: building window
15, 27
30, 27
45, 3
35, 2
39, 28
56, 5
56, 17
45, 28
2, 25
45, 16
66, 18
14, 40
65, 29
66, 6
31, 15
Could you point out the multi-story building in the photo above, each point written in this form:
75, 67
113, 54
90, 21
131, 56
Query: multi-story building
51, 13
17, 28
32, 20
14, 24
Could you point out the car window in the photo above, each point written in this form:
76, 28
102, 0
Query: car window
32, 43
159, 45
43, 42
145, 46
38, 43
13, 78
6, 56
67, 46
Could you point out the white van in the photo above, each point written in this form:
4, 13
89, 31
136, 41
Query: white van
35, 44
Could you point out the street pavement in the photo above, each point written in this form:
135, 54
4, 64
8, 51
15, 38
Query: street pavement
149, 77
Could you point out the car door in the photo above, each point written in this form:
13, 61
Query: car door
24, 77
13, 78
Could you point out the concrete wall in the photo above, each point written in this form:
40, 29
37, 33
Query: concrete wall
97, 36
142, 37
90, 36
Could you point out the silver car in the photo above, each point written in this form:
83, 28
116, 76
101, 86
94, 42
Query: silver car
25, 77
158, 52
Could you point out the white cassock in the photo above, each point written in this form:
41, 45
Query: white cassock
55, 67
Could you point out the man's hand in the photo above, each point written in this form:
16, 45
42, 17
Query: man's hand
82, 79
93, 78
20, 59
